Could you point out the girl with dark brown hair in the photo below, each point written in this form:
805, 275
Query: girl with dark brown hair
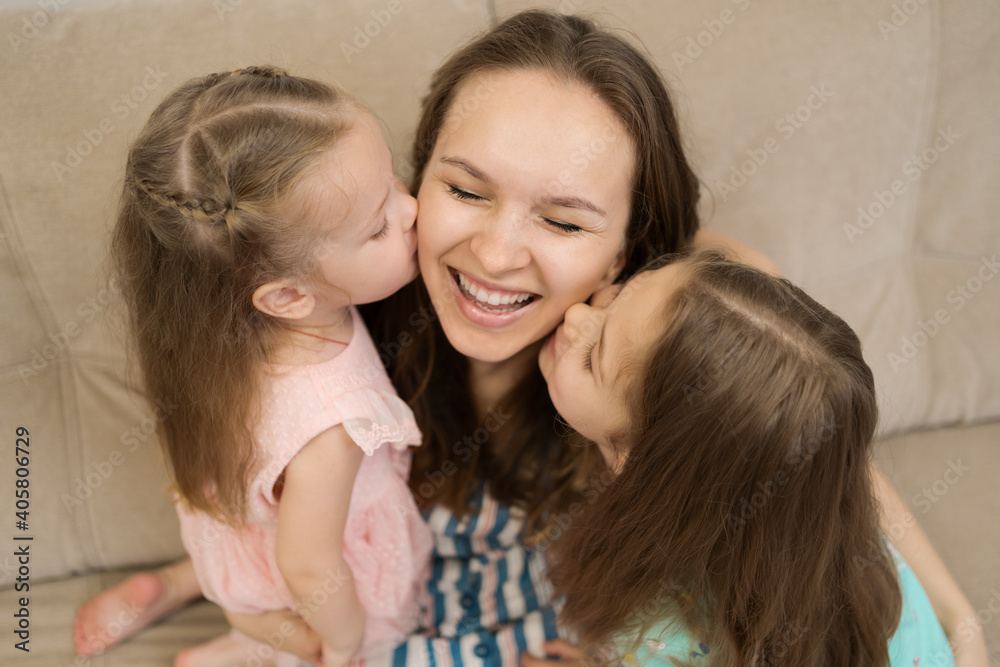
548, 165
741, 527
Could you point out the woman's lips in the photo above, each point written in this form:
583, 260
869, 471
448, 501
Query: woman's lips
492, 296
486, 314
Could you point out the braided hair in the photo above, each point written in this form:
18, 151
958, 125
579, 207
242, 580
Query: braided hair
208, 214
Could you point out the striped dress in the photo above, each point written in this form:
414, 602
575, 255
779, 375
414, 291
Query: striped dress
488, 599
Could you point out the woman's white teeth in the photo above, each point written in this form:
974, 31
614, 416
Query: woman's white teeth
491, 298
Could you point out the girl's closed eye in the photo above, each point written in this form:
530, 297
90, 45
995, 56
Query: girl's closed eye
588, 357
382, 233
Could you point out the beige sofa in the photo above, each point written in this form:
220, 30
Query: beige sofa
855, 142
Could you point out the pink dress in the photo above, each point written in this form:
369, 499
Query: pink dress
386, 542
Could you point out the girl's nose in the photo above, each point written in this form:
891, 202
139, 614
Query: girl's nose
583, 323
604, 296
408, 207
499, 247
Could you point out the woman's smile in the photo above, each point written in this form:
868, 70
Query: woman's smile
489, 297
476, 303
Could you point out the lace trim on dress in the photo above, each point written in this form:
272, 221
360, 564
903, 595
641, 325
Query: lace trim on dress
387, 420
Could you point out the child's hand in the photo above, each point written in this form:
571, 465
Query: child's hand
332, 658
569, 655
295, 634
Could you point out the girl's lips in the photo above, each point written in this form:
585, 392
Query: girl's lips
553, 344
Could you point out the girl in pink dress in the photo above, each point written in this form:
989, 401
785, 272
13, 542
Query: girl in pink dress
258, 209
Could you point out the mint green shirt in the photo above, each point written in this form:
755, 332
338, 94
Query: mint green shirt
919, 640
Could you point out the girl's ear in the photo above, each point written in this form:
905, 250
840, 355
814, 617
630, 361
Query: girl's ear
283, 299
613, 271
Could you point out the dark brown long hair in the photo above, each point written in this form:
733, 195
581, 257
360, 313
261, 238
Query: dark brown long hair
205, 219
524, 462
744, 509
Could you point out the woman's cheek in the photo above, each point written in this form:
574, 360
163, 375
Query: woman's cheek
438, 228
578, 280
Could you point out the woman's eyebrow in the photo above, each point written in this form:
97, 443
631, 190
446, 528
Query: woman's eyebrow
468, 168
574, 202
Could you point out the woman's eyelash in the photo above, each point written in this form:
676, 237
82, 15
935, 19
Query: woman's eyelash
382, 233
468, 196
563, 226
462, 194
588, 354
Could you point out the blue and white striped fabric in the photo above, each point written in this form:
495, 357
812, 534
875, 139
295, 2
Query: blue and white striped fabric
488, 599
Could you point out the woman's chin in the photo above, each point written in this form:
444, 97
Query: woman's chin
481, 348
490, 344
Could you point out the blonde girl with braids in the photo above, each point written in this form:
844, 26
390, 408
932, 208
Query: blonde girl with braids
258, 209
741, 528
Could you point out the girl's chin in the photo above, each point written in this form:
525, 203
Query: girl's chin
543, 362
546, 353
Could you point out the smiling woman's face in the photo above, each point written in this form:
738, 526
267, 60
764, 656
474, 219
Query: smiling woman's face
523, 209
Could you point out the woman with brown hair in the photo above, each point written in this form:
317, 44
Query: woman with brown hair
548, 164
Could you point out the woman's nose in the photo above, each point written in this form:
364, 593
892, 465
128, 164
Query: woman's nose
499, 247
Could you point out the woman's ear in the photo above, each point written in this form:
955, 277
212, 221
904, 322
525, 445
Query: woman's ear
283, 299
614, 271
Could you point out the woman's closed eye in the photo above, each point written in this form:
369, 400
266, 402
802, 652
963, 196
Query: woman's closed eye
563, 226
464, 194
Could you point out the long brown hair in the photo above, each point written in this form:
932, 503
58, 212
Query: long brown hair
206, 217
744, 508
525, 463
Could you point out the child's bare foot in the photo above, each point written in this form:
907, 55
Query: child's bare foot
121, 611
232, 650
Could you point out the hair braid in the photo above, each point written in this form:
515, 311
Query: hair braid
202, 210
